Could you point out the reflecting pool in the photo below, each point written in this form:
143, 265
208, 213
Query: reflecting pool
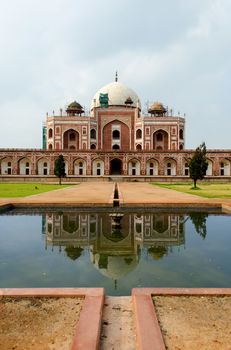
116, 250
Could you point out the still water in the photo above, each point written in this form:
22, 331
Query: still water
114, 250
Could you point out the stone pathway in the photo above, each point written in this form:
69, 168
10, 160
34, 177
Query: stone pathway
118, 329
144, 193
86, 193
102, 193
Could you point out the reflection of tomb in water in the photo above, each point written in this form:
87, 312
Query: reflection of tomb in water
115, 252
165, 229
114, 239
71, 228
163, 232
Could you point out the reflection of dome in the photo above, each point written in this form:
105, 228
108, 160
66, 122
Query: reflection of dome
73, 252
157, 252
118, 95
114, 266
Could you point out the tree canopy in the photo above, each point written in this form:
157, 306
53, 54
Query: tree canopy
198, 164
60, 168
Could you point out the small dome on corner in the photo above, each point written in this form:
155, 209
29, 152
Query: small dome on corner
157, 108
74, 108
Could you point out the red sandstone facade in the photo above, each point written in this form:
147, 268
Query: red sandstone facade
114, 140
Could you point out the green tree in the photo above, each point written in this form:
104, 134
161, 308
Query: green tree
60, 168
198, 164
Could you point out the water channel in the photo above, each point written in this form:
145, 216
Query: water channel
117, 250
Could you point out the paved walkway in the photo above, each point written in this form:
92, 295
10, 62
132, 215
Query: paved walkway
102, 194
144, 193
85, 194
118, 328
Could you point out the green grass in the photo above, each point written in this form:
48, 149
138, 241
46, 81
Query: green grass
23, 190
203, 189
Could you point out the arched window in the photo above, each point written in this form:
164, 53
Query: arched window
116, 147
225, 167
9, 170
72, 147
139, 134
139, 147
98, 169
27, 168
116, 134
222, 169
50, 133
159, 136
181, 134
169, 169
186, 169
72, 136
152, 167
134, 168
45, 170
159, 148
93, 134
181, 146
80, 168
93, 146
50, 146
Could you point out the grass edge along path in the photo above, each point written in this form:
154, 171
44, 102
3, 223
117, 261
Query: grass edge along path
27, 189
205, 189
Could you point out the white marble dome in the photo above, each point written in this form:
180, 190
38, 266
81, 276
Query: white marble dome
118, 93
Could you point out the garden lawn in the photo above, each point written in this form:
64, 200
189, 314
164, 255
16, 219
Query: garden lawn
23, 190
207, 190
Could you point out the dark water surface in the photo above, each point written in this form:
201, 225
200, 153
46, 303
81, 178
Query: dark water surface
117, 251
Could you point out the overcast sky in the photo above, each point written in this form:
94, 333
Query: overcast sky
174, 51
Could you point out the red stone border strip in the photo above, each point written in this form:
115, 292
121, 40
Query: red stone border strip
148, 331
88, 329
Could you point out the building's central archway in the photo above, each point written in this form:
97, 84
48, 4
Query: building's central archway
116, 167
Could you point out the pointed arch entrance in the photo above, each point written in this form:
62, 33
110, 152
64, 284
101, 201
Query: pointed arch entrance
116, 167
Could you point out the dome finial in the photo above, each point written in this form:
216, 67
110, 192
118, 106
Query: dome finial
116, 76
